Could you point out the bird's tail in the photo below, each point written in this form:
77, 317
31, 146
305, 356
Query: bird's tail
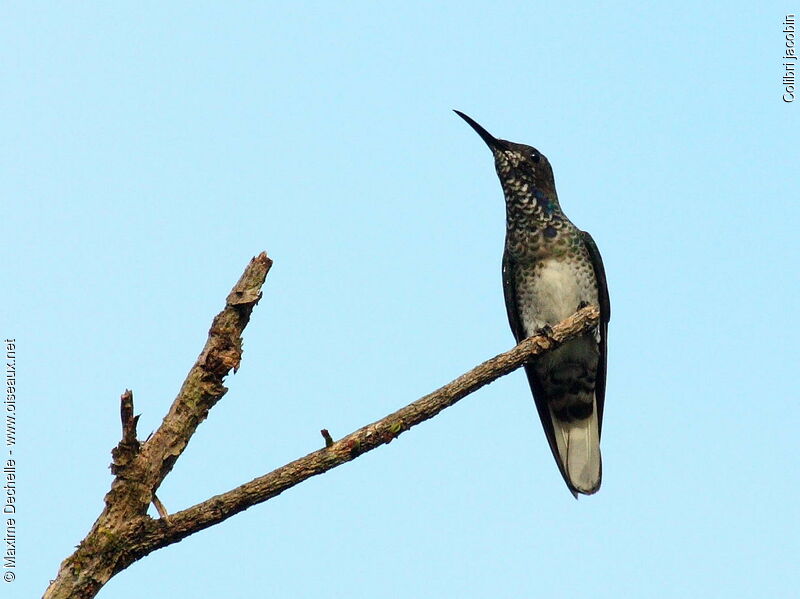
578, 444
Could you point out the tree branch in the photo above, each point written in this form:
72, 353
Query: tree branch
125, 533
139, 470
155, 534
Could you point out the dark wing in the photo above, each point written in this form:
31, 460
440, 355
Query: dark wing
605, 316
510, 296
539, 397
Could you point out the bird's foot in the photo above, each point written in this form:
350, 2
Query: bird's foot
545, 331
582, 305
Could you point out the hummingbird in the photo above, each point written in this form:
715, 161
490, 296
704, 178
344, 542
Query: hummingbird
551, 269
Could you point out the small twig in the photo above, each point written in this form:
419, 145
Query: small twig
129, 421
128, 448
327, 436
162, 511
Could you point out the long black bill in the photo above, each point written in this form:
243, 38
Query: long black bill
491, 140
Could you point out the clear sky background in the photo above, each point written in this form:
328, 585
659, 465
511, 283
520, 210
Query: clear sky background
149, 150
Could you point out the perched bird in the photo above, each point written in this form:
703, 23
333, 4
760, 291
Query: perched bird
550, 270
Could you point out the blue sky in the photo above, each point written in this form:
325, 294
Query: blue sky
148, 151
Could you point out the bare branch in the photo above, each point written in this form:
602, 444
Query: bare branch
125, 533
139, 470
367, 438
203, 385
152, 535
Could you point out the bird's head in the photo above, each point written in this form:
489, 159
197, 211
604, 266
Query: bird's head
516, 164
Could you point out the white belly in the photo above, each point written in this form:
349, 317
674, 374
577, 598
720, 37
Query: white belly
554, 294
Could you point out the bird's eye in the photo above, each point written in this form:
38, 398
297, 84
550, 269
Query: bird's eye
535, 157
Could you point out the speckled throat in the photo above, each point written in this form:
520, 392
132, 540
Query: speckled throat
535, 225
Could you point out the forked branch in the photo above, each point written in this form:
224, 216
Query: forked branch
125, 533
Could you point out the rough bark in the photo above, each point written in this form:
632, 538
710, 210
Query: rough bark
125, 533
139, 469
